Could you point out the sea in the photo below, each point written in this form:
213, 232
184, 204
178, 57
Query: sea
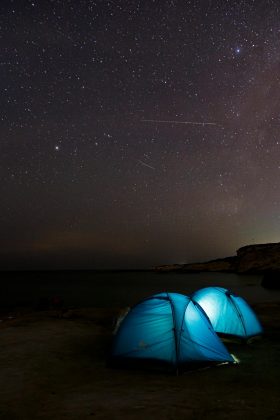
106, 289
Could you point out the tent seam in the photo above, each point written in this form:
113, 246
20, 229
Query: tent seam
174, 331
238, 313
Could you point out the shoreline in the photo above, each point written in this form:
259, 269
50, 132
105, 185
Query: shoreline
53, 366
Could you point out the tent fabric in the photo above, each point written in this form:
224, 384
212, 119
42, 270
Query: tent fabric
171, 328
228, 314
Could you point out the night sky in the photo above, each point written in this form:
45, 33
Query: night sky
87, 181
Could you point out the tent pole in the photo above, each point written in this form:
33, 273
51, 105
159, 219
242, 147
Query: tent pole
175, 336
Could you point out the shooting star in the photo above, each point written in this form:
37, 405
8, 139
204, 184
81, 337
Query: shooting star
145, 164
180, 122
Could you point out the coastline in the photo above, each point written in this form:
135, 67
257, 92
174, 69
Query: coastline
261, 259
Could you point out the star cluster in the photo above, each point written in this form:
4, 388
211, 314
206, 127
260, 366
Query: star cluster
89, 178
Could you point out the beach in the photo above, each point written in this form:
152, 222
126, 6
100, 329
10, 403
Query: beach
53, 365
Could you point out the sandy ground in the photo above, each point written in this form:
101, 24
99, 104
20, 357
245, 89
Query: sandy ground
54, 367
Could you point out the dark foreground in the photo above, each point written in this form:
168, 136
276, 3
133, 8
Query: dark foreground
53, 366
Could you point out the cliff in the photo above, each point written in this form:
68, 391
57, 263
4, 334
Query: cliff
258, 258
250, 259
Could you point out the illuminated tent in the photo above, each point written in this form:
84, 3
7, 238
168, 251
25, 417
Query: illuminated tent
229, 314
170, 329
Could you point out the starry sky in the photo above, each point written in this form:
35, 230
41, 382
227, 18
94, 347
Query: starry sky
89, 176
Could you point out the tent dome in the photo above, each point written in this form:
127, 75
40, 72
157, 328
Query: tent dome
168, 328
229, 314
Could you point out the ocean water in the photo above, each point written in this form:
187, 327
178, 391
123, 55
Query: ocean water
118, 289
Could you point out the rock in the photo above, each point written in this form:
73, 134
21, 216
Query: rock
259, 258
167, 268
223, 265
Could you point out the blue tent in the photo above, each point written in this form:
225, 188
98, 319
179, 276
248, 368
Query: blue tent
229, 314
168, 328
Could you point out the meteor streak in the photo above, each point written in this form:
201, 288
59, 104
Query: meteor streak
145, 164
180, 122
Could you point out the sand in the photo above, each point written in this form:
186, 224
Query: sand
53, 366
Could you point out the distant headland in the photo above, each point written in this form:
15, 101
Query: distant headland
250, 259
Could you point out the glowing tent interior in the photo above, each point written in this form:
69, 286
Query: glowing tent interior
229, 314
170, 329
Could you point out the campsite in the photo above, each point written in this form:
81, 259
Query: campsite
139, 210
54, 363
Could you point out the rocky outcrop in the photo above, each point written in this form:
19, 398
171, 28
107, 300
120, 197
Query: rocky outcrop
258, 258
168, 267
250, 259
223, 265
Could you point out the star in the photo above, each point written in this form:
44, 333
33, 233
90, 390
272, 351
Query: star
166, 109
